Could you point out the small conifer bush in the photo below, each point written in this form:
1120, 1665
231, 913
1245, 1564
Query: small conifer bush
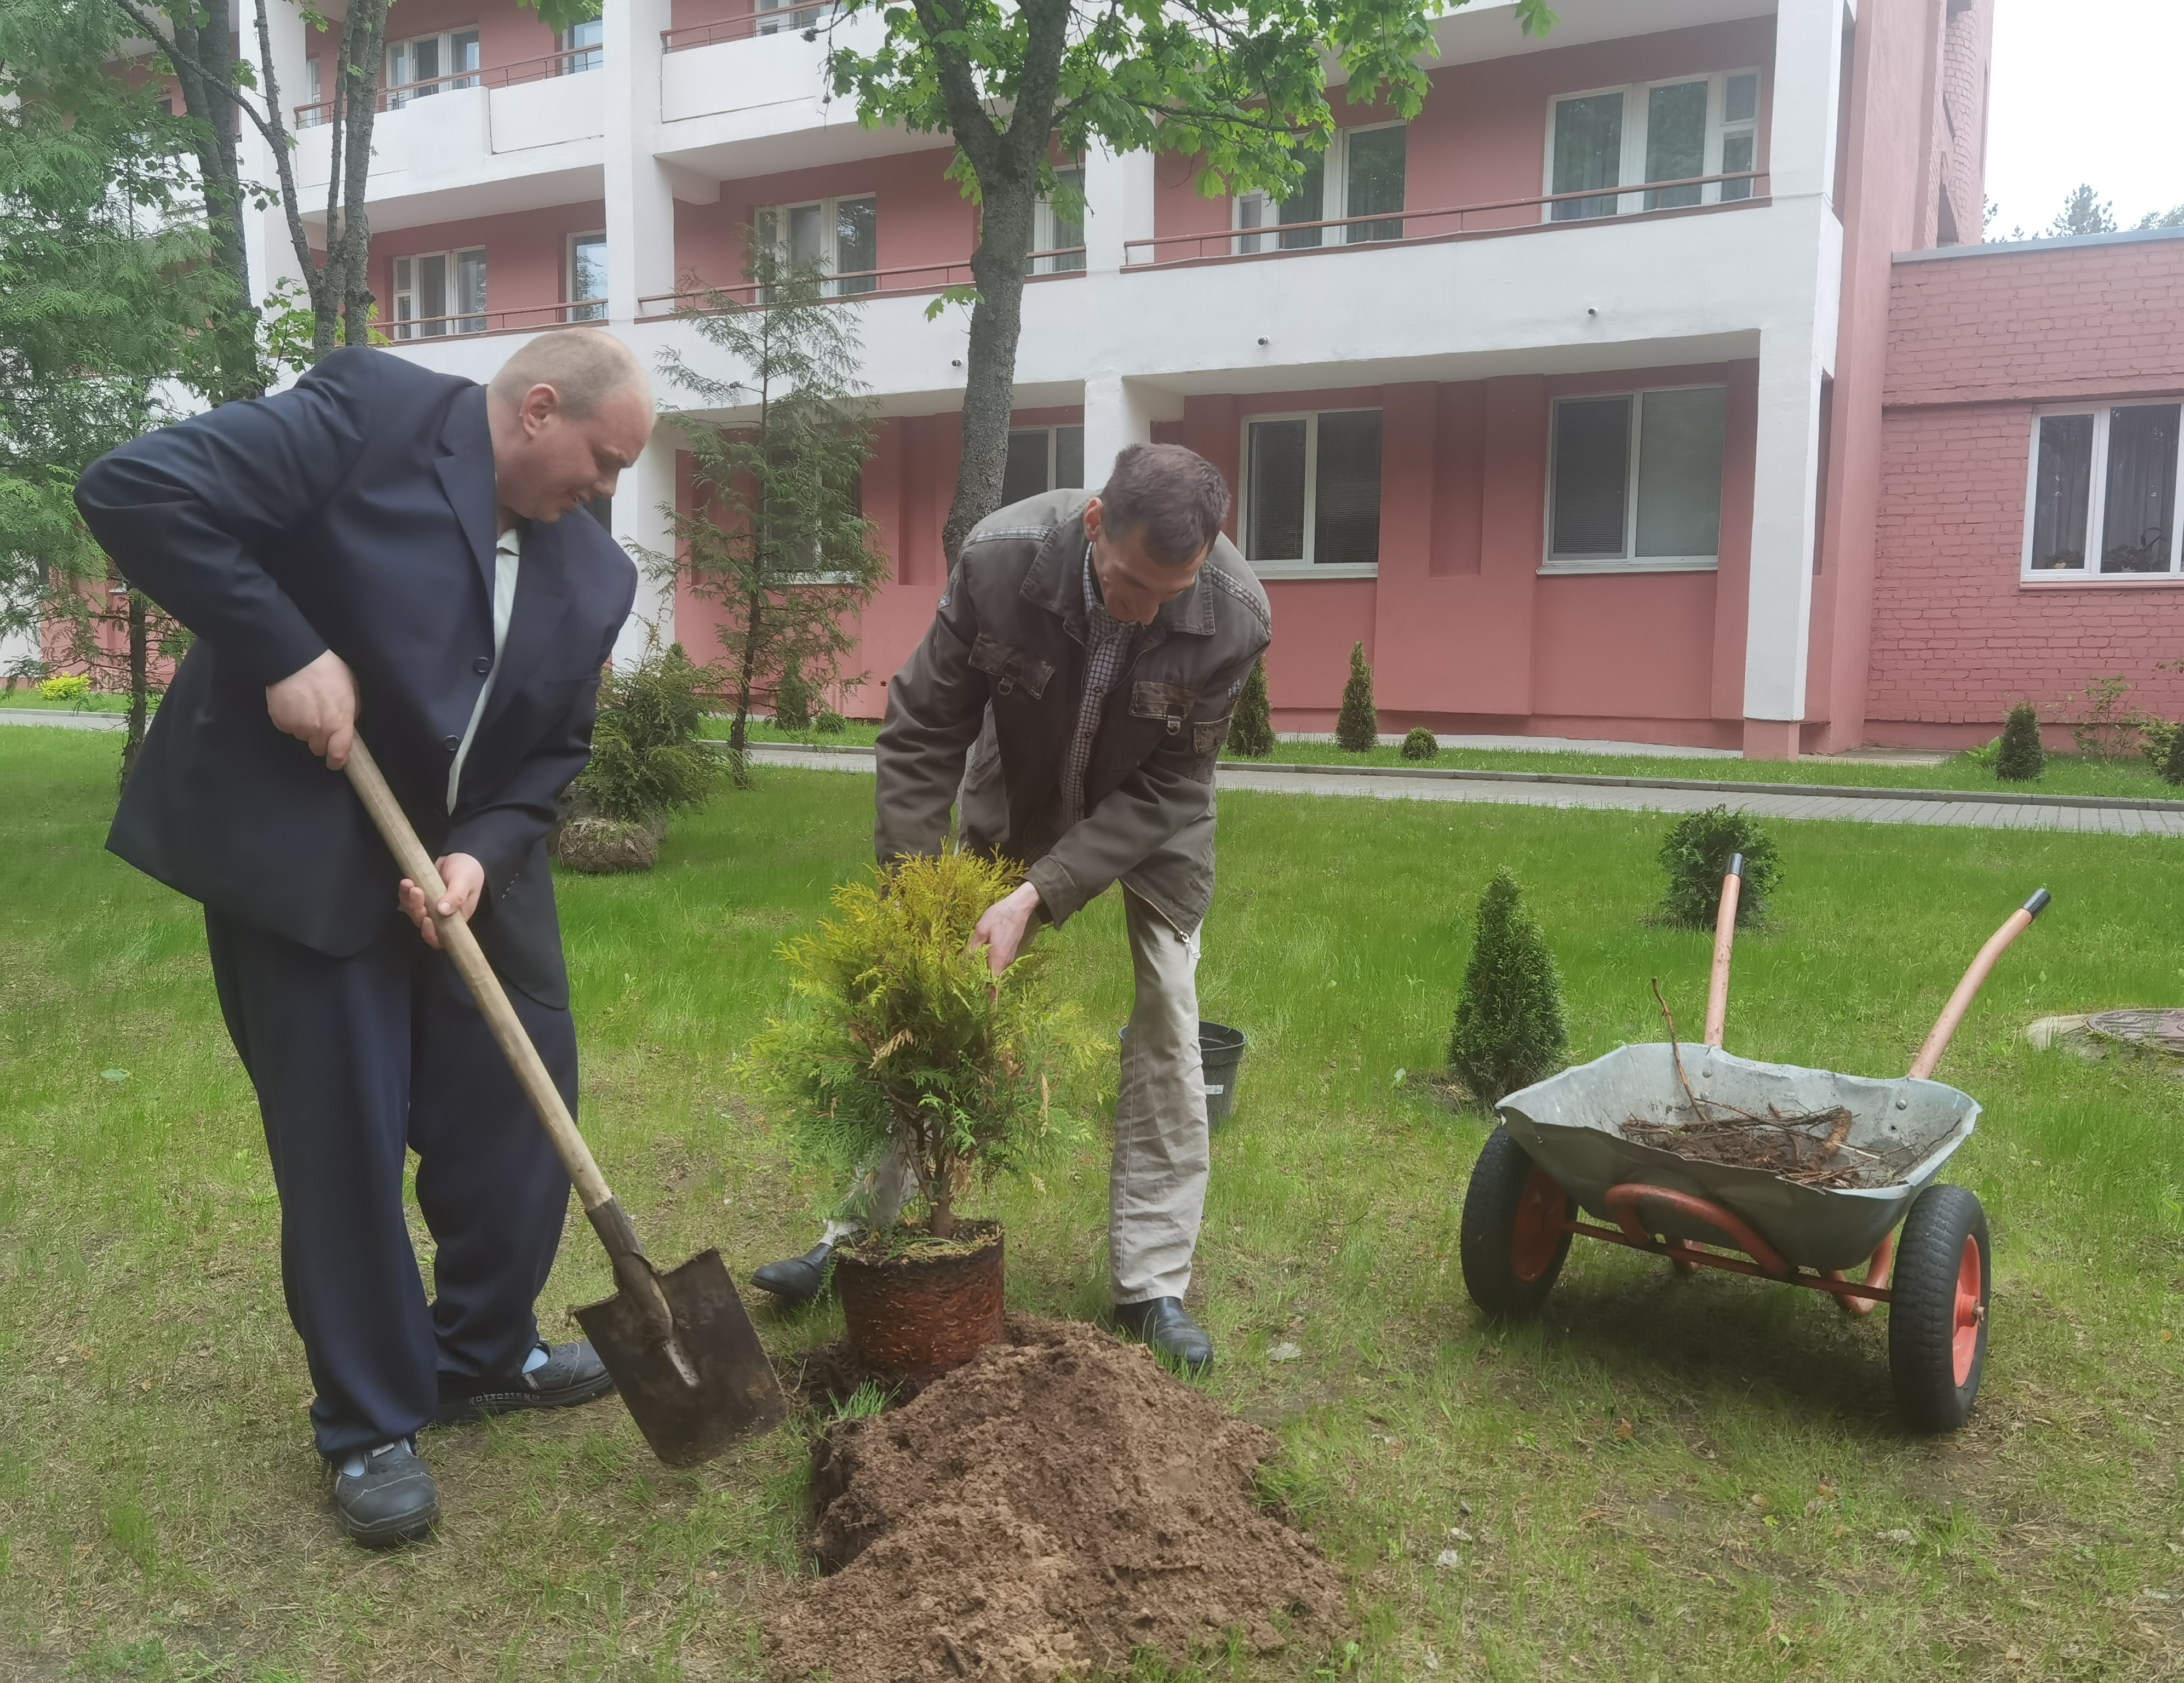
2020, 759
1695, 854
1420, 745
1510, 1030
829, 722
1252, 730
1357, 729
647, 760
791, 699
2172, 762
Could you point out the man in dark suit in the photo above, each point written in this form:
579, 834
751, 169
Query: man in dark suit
401, 550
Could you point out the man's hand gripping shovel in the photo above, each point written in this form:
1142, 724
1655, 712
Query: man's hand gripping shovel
680, 1345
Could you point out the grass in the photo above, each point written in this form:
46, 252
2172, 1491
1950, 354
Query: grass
1665, 1477
98, 701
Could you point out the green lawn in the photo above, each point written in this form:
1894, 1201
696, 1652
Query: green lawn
1666, 1479
98, 701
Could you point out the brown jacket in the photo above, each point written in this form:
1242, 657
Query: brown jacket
1003, 667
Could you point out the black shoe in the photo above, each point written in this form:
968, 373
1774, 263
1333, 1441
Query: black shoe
1167, 1332
796, 1281
573, 1373
392, 1501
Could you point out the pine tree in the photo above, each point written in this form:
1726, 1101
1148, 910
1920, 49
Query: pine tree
2020, 759
792, 698
1252, 730
1510, 1030
2172, 762
1357, 729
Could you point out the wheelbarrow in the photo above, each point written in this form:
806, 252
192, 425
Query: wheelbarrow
1562, 1153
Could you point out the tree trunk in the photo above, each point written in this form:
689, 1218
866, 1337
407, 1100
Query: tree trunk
989, 379
746, 673
140, 694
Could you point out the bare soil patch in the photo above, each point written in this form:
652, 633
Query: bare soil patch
1051, 1507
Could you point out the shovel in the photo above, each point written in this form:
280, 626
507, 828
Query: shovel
679, 1345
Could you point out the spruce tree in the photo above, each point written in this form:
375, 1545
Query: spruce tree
792, 698
2172, 762
1252, 730
1510, 1030
1357, 729
2020, 759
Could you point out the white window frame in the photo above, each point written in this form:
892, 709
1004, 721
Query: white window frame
1334, 204
571, 297
1631, 173
1053, 431
1629, 560
406, 329
1306, 568
787, 17
829, 223
1043, 234
577, 56
2097, 497
400, 93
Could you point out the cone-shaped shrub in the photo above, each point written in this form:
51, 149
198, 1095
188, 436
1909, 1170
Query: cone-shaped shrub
1695, 854
1420, 745
791, 699
1510, 1031
2020, 759
2172, 762
1252, 730
1358, 728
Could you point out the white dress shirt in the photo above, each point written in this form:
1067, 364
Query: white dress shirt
507, 555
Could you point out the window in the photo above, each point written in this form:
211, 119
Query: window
2102, 482
1043, 458
1365, 169
779, 16
840, 234
581, 48
439, 292
588, 277
1312, 490
1634, 478
1059, 230
428, 63
1660, 131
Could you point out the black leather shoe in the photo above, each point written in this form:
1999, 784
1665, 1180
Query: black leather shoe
796, 1281
573, 1373
392, 1501
1167, 1332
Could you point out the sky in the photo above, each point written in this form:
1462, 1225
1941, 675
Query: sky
2084, 90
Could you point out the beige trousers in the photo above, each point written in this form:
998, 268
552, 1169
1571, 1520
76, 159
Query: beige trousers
1156, 1183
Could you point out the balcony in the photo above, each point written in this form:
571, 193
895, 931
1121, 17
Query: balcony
523, 319
509, 137
919, 280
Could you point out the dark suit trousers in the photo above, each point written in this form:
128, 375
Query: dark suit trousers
356, 1060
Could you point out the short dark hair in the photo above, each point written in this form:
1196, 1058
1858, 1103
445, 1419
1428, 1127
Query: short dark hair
1176, 496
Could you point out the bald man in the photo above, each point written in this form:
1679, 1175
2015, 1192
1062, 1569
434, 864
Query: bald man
404, 552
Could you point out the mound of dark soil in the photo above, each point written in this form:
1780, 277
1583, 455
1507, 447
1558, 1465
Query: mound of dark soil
1048, 1508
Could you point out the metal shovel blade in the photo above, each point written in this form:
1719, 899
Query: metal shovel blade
722, 1388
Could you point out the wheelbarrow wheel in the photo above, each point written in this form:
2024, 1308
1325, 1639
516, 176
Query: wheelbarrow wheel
1937, 1322
1512, 1240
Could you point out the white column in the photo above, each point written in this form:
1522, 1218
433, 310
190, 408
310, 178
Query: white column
642, 503
1118, 207
640, 189
1784, 498
1118, 412
269, 252
1801, 141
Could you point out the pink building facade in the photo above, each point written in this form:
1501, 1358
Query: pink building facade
1641, 387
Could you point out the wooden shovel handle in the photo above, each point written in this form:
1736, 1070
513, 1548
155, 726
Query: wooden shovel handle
1724, 937
1953, 1013
461, 946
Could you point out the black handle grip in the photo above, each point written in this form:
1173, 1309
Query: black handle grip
1735, 865
2038, 903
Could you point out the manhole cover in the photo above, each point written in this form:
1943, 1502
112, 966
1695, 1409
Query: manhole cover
2164, 1030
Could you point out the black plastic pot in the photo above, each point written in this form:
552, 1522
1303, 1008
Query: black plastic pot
1221, 1049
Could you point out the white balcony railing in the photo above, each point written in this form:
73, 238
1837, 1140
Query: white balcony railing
573, 62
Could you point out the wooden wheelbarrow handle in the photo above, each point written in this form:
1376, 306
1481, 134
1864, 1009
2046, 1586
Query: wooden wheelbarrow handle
631, 1271
1724, 937
1953, 1013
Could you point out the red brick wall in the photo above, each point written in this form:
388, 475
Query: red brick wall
1975, 342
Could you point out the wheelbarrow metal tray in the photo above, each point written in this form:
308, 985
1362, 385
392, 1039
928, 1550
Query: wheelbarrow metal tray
1571, 1126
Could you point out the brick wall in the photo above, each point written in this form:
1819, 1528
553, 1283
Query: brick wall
1975, 342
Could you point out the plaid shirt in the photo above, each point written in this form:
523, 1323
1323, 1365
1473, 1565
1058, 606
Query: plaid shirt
1108, 644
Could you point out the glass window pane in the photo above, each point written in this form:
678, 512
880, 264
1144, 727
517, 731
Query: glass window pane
1304, 206
1025, 475
1592, 471
1675, 141
433, 292
1251, 212
1068, 223
1680, 437
856, 244
2062, 490
462, 55
1069, 457
1274, 530
470, 290
588, 278
1345, 516
2142, 490
807, 234
1375, 182
425, 63
1588, 152
1735, 154
1742, 104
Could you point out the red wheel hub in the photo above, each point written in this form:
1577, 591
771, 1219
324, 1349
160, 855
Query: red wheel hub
1537, 1233
1971, 1310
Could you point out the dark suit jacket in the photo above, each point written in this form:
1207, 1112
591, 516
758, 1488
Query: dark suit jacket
356, 512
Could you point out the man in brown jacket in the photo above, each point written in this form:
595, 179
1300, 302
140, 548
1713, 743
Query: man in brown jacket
1070, 700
